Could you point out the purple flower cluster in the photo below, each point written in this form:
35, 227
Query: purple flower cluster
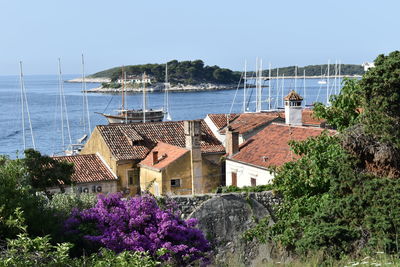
139, 224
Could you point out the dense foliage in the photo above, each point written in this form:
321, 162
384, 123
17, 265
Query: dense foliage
316, 70
344, 110
138, 224
44, 171
330, 206
185, 72
381, 91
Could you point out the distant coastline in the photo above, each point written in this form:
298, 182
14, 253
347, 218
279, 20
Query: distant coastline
176, 88
90, 80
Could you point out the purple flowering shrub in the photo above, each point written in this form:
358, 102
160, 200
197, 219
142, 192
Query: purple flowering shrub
139, 224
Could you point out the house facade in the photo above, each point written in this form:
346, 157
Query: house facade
252, 162
124, 146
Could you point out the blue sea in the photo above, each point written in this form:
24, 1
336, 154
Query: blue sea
43, 100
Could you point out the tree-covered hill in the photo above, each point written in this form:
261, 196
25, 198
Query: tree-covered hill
195, 72
316, 70
186, 72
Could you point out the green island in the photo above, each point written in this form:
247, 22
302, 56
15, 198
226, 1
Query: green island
196, 72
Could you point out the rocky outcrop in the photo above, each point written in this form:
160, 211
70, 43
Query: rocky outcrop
379, 158
225, 217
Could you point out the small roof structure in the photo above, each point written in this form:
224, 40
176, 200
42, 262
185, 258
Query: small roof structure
167, 154
293, 96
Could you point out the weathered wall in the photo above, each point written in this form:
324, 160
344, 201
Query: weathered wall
225, 217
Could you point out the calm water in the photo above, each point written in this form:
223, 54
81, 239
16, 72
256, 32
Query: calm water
42, 95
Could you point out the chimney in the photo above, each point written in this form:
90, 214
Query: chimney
231, 141
192, 142
155, 157
293, 109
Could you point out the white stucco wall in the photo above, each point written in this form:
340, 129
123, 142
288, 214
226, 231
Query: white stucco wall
245, 173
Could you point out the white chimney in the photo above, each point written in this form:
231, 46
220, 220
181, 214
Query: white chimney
293, 108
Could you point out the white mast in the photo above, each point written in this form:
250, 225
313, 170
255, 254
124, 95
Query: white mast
277, 89
85, 100
166, 102
295, 78
269, 87
259, 89
327, 86
244, 86
144, 97
63, 106
283, 85
339, 78
21, 79
24, 101
304, 86
257, 81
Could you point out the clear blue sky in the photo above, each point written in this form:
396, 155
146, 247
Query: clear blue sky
220, 32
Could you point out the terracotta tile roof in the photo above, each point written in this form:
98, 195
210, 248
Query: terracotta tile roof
293, 96
124, 142
270, 146
88, 168
220, 120
248, 122
308, 118
166, 155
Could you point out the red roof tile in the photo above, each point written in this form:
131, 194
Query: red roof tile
88, 168
166, 155
220, 120
124, 142
248, 122
270, 146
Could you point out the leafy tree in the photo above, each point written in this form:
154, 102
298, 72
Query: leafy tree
344, 110
138, 224
44, 171
381, 88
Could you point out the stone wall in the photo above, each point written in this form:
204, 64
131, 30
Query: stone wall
187, 204
224, 218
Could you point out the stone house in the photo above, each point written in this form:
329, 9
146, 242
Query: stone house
124, 146
251, 163
91, 174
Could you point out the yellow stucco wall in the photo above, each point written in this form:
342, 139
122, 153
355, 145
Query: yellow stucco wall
96, 144
180, 169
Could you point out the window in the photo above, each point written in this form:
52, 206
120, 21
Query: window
234, 178
175, 182
134, 177
253, 181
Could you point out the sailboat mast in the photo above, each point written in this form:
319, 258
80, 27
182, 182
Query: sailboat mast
327, 86
304, 86
166, 102
61, 104
244, 86
24, 99
21, 78
85, 98
144, 97
283, 85
269, 87
123, 88
295, 78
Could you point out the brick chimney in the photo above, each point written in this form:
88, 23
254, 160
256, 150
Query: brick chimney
155, 157
231, 141
192, 142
